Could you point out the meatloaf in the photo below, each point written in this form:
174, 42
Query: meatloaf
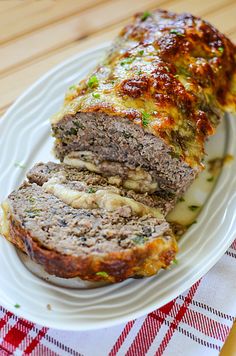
42, 172
74, 223
150, 105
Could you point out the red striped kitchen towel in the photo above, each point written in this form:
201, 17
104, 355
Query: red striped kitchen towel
195, 323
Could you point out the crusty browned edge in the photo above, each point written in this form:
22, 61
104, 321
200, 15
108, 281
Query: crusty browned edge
139, 261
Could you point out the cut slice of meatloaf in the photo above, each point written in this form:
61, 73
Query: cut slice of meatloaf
86, 228
85, 180
152, 102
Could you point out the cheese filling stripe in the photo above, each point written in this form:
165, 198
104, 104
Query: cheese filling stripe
103, 199
138, 180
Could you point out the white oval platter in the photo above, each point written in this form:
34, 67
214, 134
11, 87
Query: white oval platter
25, 139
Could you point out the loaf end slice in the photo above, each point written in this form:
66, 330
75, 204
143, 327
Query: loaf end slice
72, 230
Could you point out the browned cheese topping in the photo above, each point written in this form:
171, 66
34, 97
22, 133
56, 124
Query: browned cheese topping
172, 74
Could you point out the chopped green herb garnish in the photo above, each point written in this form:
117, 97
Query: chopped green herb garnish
210, 179
139, 239
145, 118
171, 195
31, 200
127, 60
96, 95
175, 261
33, 212
141, 52
183, 71
181, 199
79, 125
72, 131
17, 305
145, 15
145, 122
221, 49
126, 134
72, 87
140, 72
176, 32
93, 81
102, 274
175, 154
166, 68
193, 207
91, 190
20, 165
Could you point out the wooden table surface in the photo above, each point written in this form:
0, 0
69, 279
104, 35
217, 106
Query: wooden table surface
35, 35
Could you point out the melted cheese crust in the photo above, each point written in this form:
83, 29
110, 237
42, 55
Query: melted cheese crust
172, 74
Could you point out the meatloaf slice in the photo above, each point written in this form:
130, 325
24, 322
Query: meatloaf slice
86, 228
86, 180
153, 101
102, 137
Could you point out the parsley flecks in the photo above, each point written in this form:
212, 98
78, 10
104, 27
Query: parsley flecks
91, 190
31, 200
183, 71
72, 87
171, 195
93, 81
79, 125
72, 131
96, 95
221, 49
145, 122
127, 60
17, 306
210, 179
20, 165
33, 212
140, 72
145, 15
145, 118
181, 199
139, 239
193, 207
141, 52
126, 134
175, 261
102, 274
175, 154
176, 32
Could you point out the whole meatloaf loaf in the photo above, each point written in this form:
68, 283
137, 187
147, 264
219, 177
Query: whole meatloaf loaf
74, 223
149, 107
